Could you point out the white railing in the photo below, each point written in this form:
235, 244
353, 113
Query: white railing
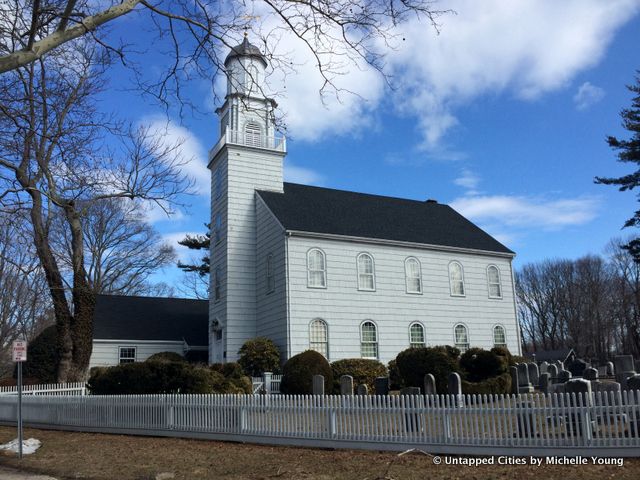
249, 139
555, 424
78, 388
258, 384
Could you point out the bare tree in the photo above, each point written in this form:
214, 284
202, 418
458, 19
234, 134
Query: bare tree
54, 162
196, 35
24, 304
122, 250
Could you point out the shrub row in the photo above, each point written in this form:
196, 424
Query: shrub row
490, 386
155, 377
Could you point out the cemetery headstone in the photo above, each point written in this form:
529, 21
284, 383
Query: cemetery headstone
382, 386
534, 373
318, 385
544, 366
623, 363
513, 370
346, 385
625, 377
564, 376
362, 390
610, 369
553, 373
429, 384
590, 374
582, 388
524, 385
633, 382
577, 367
544, 382
410, 391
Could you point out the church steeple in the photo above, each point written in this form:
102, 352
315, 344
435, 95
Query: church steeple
247, 116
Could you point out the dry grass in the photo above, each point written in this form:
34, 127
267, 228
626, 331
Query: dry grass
107, 457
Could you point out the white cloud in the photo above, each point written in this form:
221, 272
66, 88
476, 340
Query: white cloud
528, 212
191, 151
468, 180
306, 176
524, 47
587, 95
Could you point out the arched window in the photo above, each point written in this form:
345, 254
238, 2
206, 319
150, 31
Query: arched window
416, 335
499, 336
456, 279
368, 340
413, 275
493, 282
318, 337
461, 338
316, 269
252, 134
366, 274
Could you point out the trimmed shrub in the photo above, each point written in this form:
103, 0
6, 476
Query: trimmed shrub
395, 379
230, 378
163, 377
43, 358
259, 355
503, 352
480, 364
299, 370
363, 371
491, 386
166, 357
415, 363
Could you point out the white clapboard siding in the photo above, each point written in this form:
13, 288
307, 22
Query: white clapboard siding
603, 424
106, 353
390, 307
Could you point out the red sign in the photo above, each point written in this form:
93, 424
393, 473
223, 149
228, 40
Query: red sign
19, 351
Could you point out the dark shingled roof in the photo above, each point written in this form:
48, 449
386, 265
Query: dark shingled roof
339, 212
245, 49
551, 355
151, 318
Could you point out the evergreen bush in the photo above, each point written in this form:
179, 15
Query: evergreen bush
43, 358
166, 357
259, 355
479, 364
492, 386
364, 371
395, 379
299, 370
414, 363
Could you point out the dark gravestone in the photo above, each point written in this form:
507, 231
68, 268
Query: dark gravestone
534, 373
524, 385
610, 369
577, 367
564, 376
553, 373
514, 379
583, 397
590, 374
623, 363
362, 390
346, 385
382, 386
318, 385
545, 380
410, 391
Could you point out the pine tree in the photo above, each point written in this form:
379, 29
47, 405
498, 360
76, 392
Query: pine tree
197, 242
628, 151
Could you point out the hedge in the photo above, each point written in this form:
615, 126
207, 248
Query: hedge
363, 371
415, 363
166, 357
480, 364
491, 386
298, 372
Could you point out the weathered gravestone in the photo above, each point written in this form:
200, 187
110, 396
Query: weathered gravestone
382, 386
430, 384
564, 376
582, 390
553, 373
608, 387
513, 370
577, 367
410, 391
412, 419
346, 385
611, 371
544, 366
560, 365
622, 364
534, 373
318, 385
590, 374
524, 385
455, 388
633, 382
362, 390
625, 379
544, 382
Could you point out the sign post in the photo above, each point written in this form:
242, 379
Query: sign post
19, 354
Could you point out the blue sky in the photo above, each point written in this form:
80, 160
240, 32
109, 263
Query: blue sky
503, 115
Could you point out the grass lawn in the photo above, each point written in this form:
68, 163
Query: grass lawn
108, 457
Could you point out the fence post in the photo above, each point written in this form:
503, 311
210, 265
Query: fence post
266, 382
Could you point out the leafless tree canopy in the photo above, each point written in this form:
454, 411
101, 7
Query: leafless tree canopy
196, 35
591, 304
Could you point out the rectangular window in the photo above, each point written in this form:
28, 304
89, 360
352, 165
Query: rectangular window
217, 287
271, 281
368, 340
218, 228
127, 355
218, 182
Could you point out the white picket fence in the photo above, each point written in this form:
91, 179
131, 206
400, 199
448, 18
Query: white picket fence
78, 388
532, 424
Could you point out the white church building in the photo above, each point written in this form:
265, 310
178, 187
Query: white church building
347, 274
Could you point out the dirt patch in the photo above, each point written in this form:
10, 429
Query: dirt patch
107, 457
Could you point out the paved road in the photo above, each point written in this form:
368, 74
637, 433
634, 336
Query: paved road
10, 474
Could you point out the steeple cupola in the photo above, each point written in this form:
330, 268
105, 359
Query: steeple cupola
247, 115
